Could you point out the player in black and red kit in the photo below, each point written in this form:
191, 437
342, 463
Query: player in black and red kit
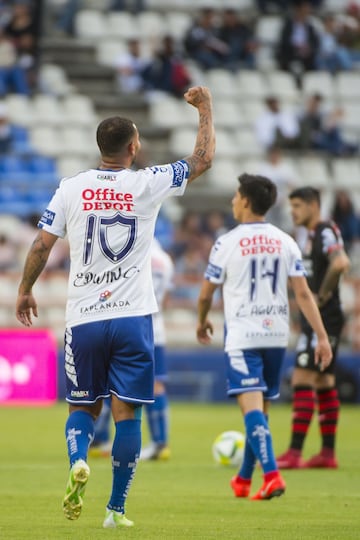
325, 261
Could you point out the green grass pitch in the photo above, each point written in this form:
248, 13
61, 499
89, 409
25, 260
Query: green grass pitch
188, 496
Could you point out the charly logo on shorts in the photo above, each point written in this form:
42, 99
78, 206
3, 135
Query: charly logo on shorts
104, 296
303, 359
268, 324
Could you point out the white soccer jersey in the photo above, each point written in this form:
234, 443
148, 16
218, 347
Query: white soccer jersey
109, 218
253, 262
162, 269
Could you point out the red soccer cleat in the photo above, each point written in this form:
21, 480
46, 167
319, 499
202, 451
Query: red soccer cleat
321, 461
290, 460
270, 489
240, 487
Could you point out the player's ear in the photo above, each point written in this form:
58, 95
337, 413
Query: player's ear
132, 149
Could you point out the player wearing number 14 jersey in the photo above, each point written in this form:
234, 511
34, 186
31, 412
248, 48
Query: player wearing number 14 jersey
109, 216
252, 263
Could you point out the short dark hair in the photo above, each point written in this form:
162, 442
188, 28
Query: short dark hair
306, 193
260, 191
113, 134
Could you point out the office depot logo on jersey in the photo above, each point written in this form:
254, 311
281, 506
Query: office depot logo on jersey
259, 243
106, 199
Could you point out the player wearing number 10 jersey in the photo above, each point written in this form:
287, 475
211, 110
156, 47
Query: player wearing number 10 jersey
109, 216
252, 263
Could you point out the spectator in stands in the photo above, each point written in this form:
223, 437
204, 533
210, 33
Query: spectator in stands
321, 129
345, 217
202, 42
332, 55
189, 270
350, 30
8, 253
129, 68
268, 6
59, 258
6, 139
13, 138
189, 227
239, 37
167, 72
134, 6
285, 177
12, 75
22, 30
65, 21
299, 41
277, 126
215, 224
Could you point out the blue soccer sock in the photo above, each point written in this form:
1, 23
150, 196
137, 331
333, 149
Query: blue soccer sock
102, 424
157, 416
125, 454
258, 433
79, 432
249, 461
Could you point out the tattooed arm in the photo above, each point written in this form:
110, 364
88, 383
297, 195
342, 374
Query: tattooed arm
34, 264
204, 149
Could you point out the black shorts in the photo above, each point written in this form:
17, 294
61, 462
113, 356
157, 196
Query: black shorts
305, 351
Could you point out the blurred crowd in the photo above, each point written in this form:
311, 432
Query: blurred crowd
310, 38
20, 27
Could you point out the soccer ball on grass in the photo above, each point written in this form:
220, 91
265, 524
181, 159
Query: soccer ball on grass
228, 448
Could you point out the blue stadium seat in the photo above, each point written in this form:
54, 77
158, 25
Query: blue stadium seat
21, 140
13, 169
43, 170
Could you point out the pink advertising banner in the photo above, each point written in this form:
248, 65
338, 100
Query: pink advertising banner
28, 367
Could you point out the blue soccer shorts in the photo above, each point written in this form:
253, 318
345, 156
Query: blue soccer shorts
114, 356
160, 363
252, 370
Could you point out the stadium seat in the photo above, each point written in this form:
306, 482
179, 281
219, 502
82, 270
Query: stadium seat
177, 23
90, 24
221, 83
151, 25
53, 80
225, 144
20, 110
251, 85
107, 51
318, 82
21, 141
47, 110
223, 176
346, 173
122, 25
181, 142
336, 6
347, 86
250, 112
246, 144
166, 113
69, 165
267, 29
13, 170
58, 289
226, 114
8, 288
282, 84
45, 140
351, 118
79, 110
265, 58
44, 172
78, 141
313, 171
